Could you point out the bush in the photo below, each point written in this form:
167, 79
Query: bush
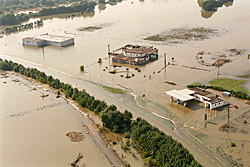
99, 60
127, 142
82, 67
232, 144
126, 135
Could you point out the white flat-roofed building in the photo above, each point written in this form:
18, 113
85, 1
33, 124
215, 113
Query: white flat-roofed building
48, 40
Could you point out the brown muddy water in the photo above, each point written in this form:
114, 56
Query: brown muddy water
130, 23
125, 23
33, 129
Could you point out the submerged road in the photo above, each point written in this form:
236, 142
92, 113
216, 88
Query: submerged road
151, 113
99, 141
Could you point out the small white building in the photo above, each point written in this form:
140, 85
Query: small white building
210, 100
48, 40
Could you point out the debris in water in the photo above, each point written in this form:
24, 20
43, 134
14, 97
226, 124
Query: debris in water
75, 136
74, 163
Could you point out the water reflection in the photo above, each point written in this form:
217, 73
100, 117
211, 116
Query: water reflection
209, 7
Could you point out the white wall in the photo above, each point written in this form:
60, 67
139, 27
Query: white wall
33, 43
218, 104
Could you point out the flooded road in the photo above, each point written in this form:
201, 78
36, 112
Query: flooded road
129, 23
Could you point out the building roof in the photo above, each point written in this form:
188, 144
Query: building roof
122, 57
214, 98
183, 95
202, 92
32, 39
53, 38
140, 50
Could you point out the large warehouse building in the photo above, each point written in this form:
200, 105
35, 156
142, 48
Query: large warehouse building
48, 40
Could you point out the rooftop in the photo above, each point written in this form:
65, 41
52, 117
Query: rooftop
54, 38
213, 97
183, 95
139, 49
32, 39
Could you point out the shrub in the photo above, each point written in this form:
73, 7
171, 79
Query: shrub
99, 60
232, 144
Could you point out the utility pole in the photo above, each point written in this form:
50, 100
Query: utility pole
218, 73
228, 115
109, 50
165, 60
43, 50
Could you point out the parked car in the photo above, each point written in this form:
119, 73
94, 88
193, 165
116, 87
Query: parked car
226, 94
235, 106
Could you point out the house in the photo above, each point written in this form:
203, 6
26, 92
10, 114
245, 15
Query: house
209, 99
135, 55
48, 40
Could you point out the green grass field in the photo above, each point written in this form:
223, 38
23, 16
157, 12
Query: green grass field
229, 84
113, 90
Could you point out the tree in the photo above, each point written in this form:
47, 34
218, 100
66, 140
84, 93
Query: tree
99, 60
82, 67
4, 66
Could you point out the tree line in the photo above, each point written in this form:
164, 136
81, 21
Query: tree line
151, 141
212, 5
12, 19
157, 145
22, 27
239, 94
8, 5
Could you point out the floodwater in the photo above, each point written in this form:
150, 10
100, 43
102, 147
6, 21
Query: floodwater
33, 129
129, 22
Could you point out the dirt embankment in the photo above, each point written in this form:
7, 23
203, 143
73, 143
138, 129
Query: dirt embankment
180, 35
94, 27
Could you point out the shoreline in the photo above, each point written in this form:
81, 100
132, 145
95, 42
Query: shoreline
95, 134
